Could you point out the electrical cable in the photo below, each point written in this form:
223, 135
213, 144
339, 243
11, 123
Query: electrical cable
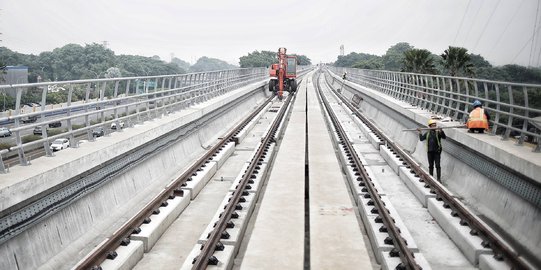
526, 44
506, 27
474, 17
461, 22
533, 35
486, 24
539, 51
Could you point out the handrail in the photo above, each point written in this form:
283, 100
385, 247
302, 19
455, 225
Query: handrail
512, 106
113, 99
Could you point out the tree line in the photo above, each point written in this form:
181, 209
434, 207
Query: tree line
454, 61
74, 62
92, 61
267, 58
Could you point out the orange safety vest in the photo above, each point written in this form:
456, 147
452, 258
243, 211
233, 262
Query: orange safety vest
478, 119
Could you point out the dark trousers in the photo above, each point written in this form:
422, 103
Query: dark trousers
473, 130
434, 158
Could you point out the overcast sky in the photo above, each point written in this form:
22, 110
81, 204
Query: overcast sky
502, 31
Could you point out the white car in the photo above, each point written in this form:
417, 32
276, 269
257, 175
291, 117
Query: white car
4, 132
120, 123
60, 144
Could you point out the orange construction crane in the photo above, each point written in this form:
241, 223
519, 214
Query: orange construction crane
283, 75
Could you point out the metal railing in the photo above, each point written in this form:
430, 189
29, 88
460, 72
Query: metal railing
515, 108
89, 104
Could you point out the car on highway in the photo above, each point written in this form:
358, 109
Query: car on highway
98, 132
39, 131
5, 132
29, 119
55, 124
60, 144
120, 123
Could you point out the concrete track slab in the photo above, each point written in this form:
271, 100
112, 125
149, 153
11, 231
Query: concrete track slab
127, 257
336, 240
256, 183
151, 232
415, 186
470, 245
176, 243
358, 186
438, 249
236, 233
390, 263
199, 181
488, 262
277, 239
225, 258
391, 159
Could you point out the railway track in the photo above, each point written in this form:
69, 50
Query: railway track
401, 248
396, 249
122, 237
490, 240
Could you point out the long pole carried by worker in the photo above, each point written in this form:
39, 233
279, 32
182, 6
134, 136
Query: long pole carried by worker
416, 129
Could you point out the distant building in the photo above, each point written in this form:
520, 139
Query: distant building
14, 75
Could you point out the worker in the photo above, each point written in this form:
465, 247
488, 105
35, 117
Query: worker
433, 146
478, 118
344, 76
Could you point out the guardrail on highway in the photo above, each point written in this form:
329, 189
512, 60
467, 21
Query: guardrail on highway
113, 100
515, 108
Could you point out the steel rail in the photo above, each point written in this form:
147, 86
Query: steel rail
406, 256
212, 244
492, 240
121, 236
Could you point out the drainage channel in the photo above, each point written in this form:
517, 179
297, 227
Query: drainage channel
306, 190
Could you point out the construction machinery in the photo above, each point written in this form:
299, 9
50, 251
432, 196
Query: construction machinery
283, 74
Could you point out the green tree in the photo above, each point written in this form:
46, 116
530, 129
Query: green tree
56, 97
258, 59
113, 72
353, 58
457, 61
2, 71
394, 57
209, 64
11, 58
372, 63
522, 74
479, 62
6, 102
134, 65
95, 61
492, 73
419, 61
42, 66
181, 63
